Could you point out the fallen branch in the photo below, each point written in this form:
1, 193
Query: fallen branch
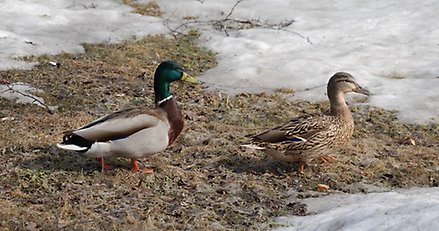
34, 99
228, 23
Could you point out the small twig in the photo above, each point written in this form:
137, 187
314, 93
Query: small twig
298, 34
233, 9
227, 17
226, 23
174, 31
35, 99
225, 31
140, 183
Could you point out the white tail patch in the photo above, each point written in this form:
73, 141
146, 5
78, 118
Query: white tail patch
71, 147
252, 146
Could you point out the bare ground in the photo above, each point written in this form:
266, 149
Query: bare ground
205, 180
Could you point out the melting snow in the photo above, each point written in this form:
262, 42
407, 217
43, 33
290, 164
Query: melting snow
21, 93
412, 209
49, 27
390, 46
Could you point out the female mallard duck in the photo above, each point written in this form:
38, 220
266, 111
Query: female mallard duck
307, 137
134, 132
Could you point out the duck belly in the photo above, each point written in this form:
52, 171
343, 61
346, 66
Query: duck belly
138, 145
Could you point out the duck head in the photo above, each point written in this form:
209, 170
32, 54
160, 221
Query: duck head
166, 73
342, 82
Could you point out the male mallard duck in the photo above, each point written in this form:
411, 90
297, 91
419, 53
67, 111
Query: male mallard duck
134, 132
307, 137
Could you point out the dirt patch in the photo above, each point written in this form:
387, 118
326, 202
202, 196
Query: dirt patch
205, 180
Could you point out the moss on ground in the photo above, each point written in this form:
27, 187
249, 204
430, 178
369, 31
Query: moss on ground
205, 180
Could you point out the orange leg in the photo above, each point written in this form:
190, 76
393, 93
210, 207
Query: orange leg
104, 167
301, 167
135, 166
328, 158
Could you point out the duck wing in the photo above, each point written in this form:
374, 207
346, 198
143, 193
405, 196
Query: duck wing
296, 130
120, 124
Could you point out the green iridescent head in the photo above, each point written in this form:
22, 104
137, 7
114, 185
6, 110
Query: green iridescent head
166, 73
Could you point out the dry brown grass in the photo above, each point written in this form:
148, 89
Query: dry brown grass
149, 9
205, 180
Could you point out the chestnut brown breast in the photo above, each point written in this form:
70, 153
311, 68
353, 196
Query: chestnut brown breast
175, 118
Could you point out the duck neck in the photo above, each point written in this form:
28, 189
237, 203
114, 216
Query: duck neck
338, 104
161, 92
174, 116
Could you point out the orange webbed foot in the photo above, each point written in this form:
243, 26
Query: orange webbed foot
328, 158
135, 166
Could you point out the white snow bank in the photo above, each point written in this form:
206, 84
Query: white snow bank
390, 46
31, 27
413, 209
376, 41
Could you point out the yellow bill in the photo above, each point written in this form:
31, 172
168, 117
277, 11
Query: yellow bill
189, 78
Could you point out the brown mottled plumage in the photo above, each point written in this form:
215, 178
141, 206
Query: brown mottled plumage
311, 136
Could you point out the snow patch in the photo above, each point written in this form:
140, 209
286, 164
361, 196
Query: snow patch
21, 93
389, 46
412, 209
49, 27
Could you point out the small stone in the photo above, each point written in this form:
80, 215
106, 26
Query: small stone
131, 219
322, 187
78, 182
216, 226
408, 140
7, 119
